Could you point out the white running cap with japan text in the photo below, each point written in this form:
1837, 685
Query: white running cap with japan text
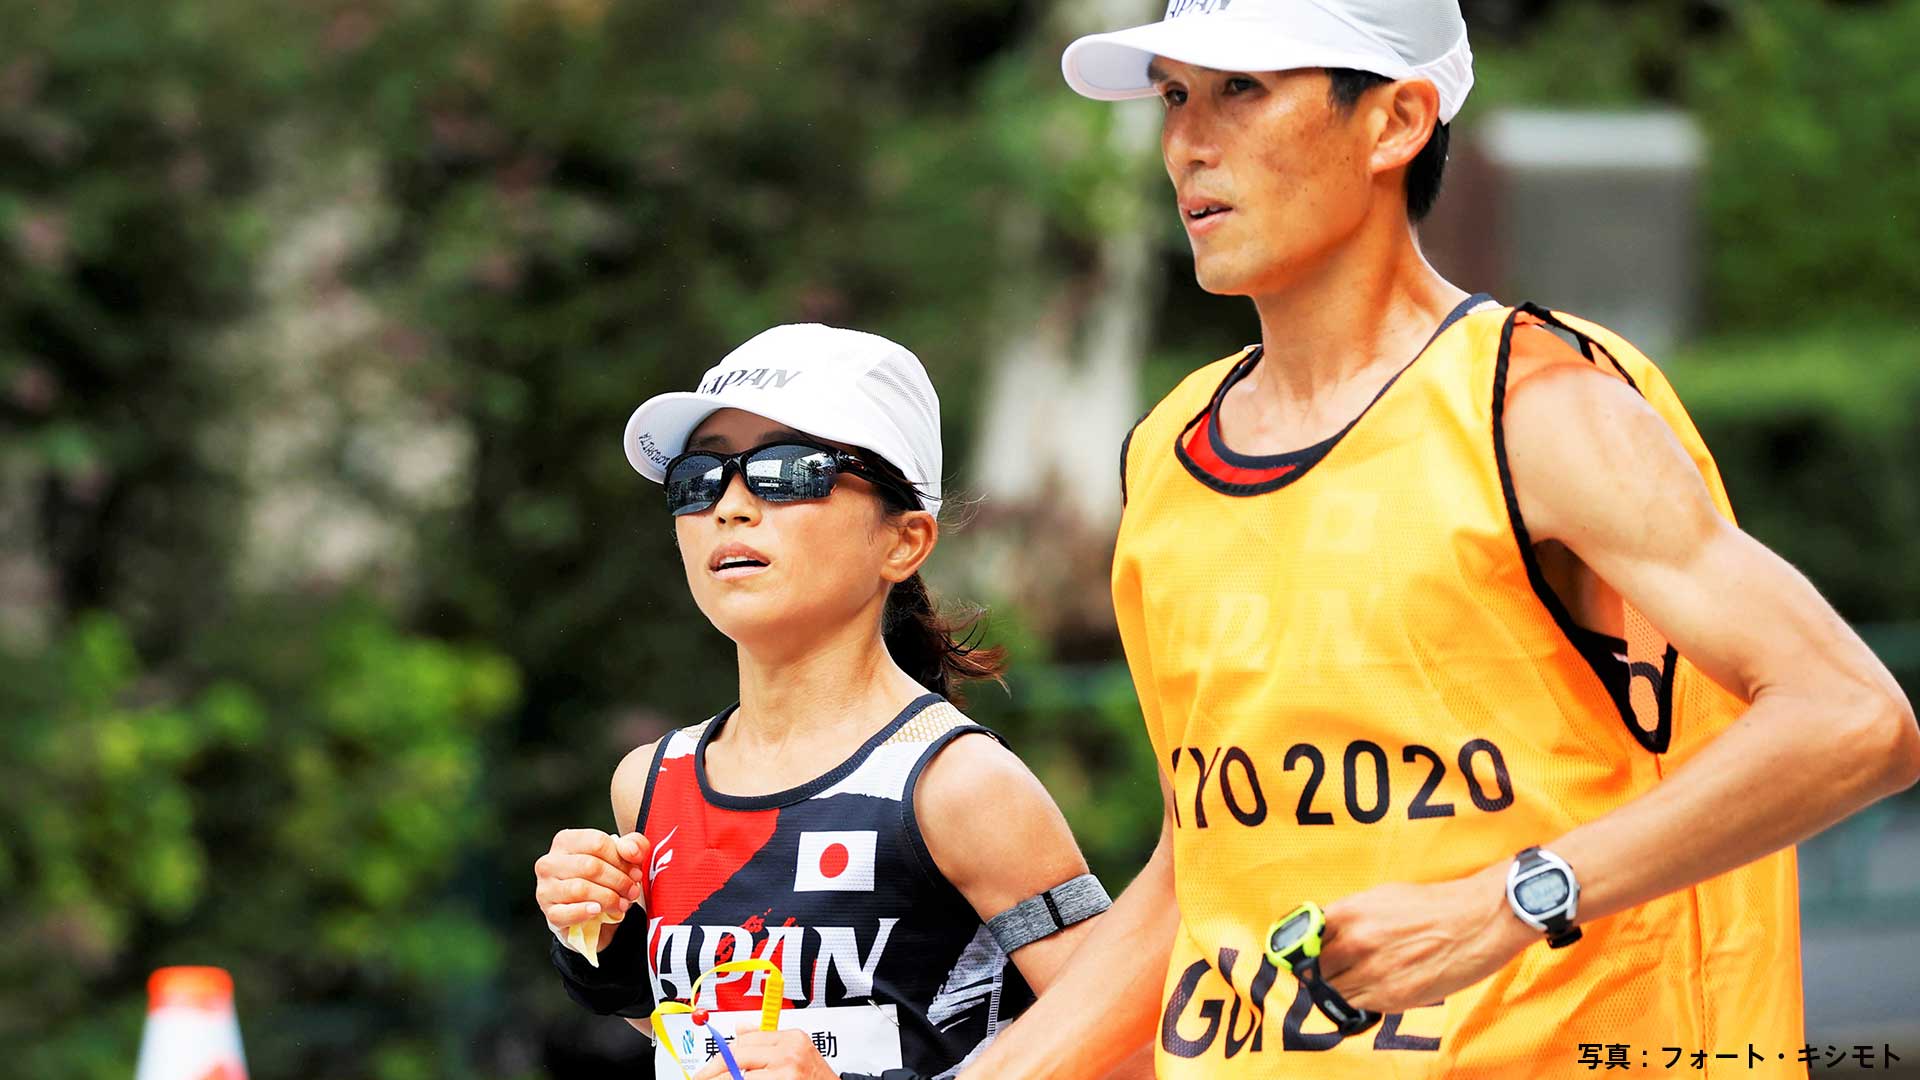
842, 386
1399, 39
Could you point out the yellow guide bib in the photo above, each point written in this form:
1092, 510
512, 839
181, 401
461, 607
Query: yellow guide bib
1356, 674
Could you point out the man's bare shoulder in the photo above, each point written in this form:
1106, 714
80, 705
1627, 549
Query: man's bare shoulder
1592, 462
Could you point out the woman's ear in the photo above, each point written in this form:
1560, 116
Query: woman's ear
913, 535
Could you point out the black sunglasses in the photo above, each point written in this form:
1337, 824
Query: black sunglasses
780, 472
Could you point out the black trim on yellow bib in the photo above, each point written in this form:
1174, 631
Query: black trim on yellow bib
1258, 474
1605, 654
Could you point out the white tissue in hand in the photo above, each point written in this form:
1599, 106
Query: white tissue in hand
584, 937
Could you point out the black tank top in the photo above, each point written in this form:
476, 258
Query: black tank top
832, 883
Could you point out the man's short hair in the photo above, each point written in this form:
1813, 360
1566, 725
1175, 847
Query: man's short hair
1425, 170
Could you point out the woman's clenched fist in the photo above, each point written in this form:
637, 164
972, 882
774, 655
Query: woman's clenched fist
590, 875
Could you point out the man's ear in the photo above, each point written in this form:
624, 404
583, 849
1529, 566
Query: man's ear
914, 534
1405, 114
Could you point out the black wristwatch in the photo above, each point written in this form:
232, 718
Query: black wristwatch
1545, 895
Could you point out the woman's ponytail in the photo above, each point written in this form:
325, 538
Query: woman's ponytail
937, 651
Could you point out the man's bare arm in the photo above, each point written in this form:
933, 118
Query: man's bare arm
1828, 730
1106, 1003
1597, 470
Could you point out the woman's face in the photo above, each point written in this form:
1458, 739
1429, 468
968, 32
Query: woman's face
810, 568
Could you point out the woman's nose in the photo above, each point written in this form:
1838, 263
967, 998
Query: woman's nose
736, 503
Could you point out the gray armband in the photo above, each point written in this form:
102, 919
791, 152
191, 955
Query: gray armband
1052, 911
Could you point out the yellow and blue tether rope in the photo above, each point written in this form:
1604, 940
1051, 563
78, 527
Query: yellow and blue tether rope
773, 993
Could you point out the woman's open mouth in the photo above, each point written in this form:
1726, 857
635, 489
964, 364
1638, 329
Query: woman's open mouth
736, 560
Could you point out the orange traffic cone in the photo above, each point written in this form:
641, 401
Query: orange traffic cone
192, 1033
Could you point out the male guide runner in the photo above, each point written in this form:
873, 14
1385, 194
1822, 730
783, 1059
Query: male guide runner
1389, 583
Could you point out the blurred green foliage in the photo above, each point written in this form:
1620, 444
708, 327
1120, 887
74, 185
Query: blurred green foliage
1815, 432
1812, 117
295, 804
124, 162
336, 787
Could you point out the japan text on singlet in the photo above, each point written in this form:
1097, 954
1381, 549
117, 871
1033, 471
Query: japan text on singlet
1353, 673
832, 882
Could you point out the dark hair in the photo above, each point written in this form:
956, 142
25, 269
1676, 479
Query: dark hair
939, 651
1426, 168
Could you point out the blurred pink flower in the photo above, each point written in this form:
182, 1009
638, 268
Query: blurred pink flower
41, 236
350, 30
34, 389
498, 270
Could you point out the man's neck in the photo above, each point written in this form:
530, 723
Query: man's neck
1359, 315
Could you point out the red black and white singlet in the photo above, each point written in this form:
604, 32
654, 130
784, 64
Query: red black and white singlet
831, 882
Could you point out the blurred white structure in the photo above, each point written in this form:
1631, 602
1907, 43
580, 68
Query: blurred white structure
1062, 366
1591, 212
1063, 381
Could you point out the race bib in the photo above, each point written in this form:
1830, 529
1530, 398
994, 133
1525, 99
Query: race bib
852, 1038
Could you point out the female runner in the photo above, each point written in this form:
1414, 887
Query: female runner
838, 821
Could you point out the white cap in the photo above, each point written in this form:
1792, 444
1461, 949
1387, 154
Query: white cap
1400, 39
844, 386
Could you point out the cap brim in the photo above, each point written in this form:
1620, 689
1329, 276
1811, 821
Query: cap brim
1113, 66
657, 431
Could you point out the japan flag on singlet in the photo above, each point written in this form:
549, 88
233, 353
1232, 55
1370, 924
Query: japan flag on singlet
834, 862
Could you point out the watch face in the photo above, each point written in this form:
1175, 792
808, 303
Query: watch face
1543, 893
1288, 935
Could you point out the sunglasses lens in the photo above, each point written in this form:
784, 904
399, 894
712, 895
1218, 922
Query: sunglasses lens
694, 483
789, 472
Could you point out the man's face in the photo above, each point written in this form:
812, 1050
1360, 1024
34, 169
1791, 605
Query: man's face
1270, 175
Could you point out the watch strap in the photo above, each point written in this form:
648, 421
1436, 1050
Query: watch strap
1347, 1019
